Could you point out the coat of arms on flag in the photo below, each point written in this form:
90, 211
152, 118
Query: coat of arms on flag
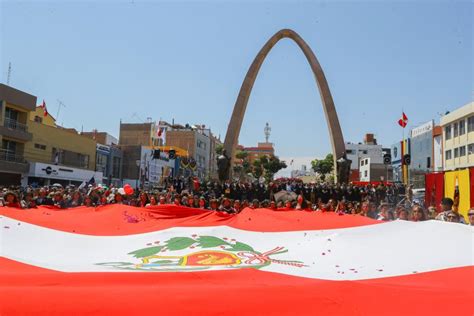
179, 254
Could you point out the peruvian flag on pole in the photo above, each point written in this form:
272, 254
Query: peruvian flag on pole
45, 110
403, 121
174, 260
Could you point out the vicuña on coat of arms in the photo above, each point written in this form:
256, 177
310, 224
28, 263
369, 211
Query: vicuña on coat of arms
200, 253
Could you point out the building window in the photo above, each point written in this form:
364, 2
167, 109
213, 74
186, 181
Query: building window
362, 162
455, 130
462, 127
428, 162
447, 132
462, 151
69, 158
116, 167
470, 149
365, 173
39, 146
470, 124
456, 152
448, 154
38, 119
11, 114
101, 164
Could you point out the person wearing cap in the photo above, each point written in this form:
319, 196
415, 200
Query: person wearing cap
447, 209
470, 216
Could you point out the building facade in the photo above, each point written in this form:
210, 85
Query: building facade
400, 170
109, 161
57, 154
197, 142
371, 171
15, 107
142, 168
421, 146
109, 157
437, 149
143, 134
458, 138
358, 152
262, 149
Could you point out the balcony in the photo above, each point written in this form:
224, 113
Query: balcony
16, 130
15, 125
12, 162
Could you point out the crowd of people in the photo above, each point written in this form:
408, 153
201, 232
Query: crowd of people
381, 202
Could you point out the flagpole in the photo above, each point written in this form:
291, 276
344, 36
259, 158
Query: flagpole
403, 149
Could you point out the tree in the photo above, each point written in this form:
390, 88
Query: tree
219, 149
323, 166
267, 166
242, 165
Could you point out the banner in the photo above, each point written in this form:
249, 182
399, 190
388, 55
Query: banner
434, 189
471, 173
461, 180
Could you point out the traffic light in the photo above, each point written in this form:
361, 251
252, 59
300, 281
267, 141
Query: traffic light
172, 154
387, 159
406, 159
156, 154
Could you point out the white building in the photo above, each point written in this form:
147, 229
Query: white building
458, 138
303, 172
357, 152
52, 173
370, 170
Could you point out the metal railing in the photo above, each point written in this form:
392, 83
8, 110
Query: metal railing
8, 155
14, 124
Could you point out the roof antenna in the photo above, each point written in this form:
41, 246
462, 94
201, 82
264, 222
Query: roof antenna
9, 73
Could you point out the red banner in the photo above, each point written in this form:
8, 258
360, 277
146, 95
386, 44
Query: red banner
434, 189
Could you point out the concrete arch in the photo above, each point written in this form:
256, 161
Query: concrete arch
235, 124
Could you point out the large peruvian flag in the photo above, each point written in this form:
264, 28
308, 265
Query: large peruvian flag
167, 260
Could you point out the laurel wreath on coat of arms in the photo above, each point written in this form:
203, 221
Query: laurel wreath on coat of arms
200, 253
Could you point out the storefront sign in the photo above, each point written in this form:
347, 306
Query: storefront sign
425, 128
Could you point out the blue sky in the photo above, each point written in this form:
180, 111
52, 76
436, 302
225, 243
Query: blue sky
186, 60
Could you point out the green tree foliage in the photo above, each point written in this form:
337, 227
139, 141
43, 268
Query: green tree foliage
323, 166
219, 149
242, 167
267, 166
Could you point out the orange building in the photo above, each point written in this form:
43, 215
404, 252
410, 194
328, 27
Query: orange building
254, 153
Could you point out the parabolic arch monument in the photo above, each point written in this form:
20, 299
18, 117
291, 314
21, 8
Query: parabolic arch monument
235, 124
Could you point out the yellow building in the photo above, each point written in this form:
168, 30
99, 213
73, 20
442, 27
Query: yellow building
58, 154
458, 138
15, 106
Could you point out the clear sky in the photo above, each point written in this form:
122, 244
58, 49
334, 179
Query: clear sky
131, 60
